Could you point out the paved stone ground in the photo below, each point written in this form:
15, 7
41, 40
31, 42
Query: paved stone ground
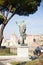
6, 59
4, 62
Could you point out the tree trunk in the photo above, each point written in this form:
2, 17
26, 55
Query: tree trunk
3, 26
1, 33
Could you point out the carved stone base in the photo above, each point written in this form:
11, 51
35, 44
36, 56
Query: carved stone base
22, 51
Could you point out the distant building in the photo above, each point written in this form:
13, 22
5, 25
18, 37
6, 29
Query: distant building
5, 42
10, 42
31, 40
34, 40
13, 40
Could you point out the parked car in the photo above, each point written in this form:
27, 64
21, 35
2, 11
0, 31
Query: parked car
37, 51
33, 57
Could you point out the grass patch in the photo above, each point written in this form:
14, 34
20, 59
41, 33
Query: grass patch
34, 62
5, 52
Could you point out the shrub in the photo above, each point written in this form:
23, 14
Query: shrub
41, 59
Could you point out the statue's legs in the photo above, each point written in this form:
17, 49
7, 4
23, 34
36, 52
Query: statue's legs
22, 41
23, 38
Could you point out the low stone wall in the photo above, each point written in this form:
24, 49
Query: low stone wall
13, 50
6, 50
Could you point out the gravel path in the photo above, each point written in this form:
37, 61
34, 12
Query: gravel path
14, 58
1, 63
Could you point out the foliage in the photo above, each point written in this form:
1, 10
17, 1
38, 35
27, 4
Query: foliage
23, 7
1, 19
35, 62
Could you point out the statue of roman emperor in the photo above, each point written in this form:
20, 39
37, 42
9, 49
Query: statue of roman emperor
22, 29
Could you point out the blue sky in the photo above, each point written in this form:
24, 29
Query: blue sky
34, 23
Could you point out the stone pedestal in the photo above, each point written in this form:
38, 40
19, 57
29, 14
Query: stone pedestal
22, 51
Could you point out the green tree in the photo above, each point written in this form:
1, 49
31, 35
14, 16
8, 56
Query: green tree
20, 7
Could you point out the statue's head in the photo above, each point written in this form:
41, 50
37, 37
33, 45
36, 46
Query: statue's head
22, 22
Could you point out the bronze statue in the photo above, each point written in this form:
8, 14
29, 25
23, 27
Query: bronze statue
22, 29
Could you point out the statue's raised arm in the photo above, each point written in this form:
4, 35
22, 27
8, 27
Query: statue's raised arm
17, 23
